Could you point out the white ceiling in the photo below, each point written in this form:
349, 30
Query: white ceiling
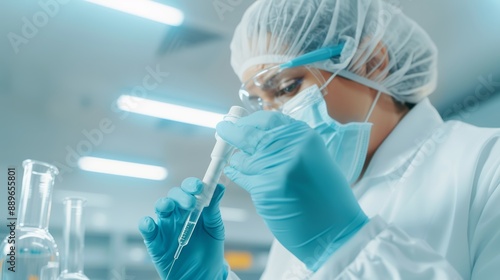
66, 78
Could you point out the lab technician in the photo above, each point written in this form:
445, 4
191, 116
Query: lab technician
346, 160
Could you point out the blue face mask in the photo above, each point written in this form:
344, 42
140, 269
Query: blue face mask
346, 143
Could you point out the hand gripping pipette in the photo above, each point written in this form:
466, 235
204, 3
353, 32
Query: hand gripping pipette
220, 155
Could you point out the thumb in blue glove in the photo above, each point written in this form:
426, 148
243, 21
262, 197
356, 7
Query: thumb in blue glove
203, 257
296, 187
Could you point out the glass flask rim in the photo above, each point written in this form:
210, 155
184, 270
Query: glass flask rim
51, 168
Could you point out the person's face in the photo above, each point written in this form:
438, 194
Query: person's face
347, 101
274, 86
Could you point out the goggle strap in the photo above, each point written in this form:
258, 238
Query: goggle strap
367, 82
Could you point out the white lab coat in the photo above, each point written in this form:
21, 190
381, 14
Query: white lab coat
432, 191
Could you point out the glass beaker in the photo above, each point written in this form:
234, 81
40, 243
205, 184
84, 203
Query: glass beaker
74, 237
29, 252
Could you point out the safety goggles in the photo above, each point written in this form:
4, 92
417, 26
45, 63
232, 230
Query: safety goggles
271, 88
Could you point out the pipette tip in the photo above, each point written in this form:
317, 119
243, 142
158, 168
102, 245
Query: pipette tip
170, 270
176, 256
178, 252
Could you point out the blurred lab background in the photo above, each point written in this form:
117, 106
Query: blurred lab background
67, 67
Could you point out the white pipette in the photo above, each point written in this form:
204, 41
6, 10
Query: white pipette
220, 155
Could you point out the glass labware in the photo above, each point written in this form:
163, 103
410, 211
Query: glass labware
74, 240
36, 256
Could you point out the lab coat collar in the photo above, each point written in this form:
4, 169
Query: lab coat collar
405, 140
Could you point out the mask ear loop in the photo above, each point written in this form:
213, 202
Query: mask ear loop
329, 81
373, 106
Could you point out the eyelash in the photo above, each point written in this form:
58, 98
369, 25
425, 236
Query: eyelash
295, 84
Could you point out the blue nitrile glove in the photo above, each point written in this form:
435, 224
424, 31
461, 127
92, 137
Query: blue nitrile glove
296, 187
203, 257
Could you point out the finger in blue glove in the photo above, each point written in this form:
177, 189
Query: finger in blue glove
296, 187
207, 241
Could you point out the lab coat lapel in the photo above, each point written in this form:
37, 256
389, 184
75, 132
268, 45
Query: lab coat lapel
404, 141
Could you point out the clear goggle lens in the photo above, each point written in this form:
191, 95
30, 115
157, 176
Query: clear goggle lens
271, 88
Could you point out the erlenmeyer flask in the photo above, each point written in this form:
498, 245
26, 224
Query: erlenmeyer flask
34, 255
74, 236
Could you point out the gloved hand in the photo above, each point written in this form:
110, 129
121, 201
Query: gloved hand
203, 256
296, 187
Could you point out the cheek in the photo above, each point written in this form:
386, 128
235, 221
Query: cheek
340, 105
343, 104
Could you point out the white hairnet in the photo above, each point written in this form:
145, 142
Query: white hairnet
276, 31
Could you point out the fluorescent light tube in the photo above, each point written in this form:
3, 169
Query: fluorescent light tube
146, 9
168, 111
233, 214
122, 168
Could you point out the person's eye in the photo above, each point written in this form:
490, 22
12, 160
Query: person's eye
289, 87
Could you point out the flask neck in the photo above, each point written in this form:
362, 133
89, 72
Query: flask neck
74, 236
36, 195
